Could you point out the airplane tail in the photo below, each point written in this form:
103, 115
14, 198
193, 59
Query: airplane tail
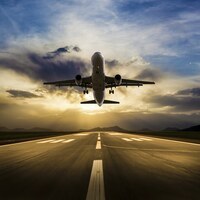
105, 102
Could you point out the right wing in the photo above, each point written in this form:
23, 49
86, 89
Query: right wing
86, 82
110, 82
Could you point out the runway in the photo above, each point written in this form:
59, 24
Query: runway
100, 165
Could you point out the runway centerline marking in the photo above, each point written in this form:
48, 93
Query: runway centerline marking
98, 145
66, 141
96, 184
127, 139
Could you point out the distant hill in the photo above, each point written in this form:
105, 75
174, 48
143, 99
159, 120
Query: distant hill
171, 129
35, 129
145, 130
192, 128
4, 129
113, 128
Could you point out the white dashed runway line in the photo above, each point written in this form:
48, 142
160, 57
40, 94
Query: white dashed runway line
44, 141
98, 145
55, 141
115, 133
82, 134
127, 139
96, 184
136, 139
67, 141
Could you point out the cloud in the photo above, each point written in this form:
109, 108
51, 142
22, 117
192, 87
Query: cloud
175, 103
35, 67
61, 50
22, 94
149, 73
112, 63
192, 91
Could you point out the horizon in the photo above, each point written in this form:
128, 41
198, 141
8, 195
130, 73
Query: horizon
142, 39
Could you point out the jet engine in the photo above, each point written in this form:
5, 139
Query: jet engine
118, 79
78, 79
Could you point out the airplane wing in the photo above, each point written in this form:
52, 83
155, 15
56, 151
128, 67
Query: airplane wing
85, 82
110, 82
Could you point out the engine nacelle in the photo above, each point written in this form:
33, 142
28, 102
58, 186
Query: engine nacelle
78, 79
118, 79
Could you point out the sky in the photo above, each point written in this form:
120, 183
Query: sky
50, 40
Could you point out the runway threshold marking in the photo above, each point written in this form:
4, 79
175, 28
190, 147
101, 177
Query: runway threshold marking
137, 139
56, 141
127, 139
96, 184
114, 133
45, 141
82, 134
147, 139
67, 141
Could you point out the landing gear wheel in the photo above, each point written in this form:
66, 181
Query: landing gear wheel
111, 91
85, 92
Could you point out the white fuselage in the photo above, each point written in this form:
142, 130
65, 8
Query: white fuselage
98, 77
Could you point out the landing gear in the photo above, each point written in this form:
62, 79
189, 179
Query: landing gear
111, 91
85, 92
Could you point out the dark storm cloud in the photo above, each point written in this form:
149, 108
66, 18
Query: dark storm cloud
61, 50
37, 68
112, 63
191, 91
149, 74
176, 103
22, 94
57, 69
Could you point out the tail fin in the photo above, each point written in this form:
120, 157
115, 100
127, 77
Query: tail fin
105, 102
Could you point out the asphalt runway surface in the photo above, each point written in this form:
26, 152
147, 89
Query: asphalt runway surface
106, 165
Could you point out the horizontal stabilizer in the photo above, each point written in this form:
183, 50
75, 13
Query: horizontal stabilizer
89, 102
110, 102
105, 102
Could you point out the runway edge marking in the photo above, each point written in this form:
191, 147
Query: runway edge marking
96, 184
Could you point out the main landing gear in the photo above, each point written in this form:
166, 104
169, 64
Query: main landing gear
85, 92
111, 91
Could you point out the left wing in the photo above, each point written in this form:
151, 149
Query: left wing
110, 82
85, 82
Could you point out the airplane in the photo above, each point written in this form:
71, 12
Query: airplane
98, 82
